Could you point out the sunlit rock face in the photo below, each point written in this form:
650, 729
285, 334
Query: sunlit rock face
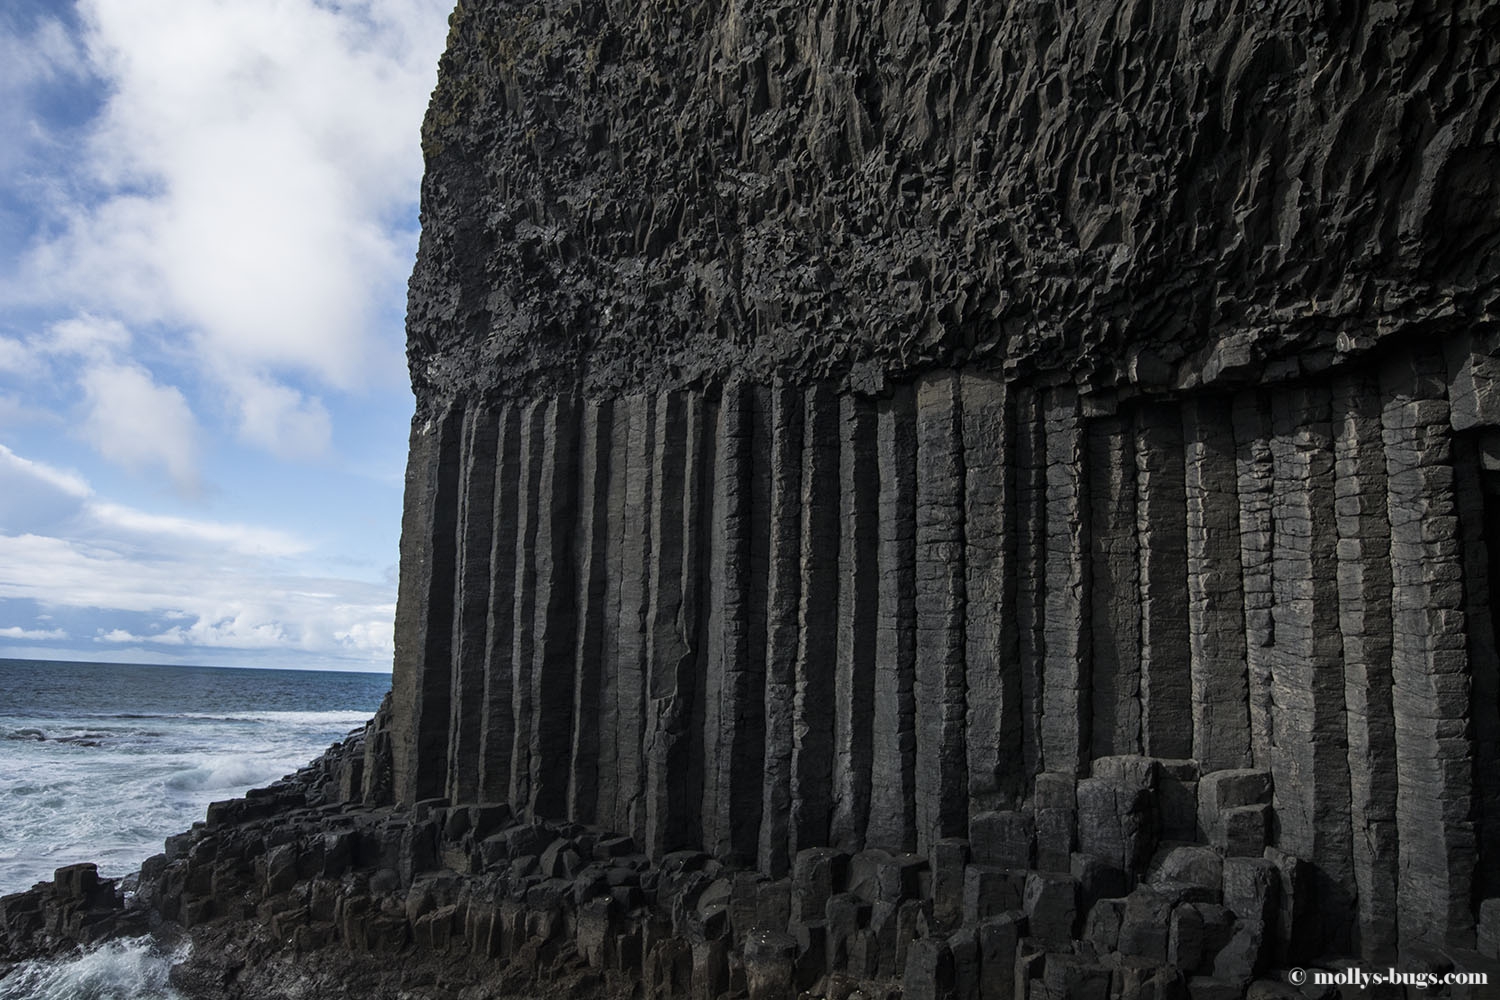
1056, 441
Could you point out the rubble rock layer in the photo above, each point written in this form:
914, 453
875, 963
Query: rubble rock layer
643, 194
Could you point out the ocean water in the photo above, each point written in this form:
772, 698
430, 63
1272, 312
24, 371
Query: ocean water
116, 970
101, 762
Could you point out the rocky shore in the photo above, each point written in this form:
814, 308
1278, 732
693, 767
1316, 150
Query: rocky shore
315, 887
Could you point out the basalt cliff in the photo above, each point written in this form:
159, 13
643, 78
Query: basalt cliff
953, 499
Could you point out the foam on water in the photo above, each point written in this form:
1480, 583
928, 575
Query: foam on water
120, 970
102, 762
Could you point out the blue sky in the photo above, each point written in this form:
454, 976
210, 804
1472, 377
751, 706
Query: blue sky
207, 218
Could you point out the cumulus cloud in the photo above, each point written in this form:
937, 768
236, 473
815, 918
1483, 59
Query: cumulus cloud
132, 420
281, 420
208, 213
253, 171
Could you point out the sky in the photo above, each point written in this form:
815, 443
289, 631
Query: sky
208, 213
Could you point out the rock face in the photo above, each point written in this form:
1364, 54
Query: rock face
652, 194
980, 500
863, 425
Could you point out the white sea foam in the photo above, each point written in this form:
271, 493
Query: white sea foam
119, 970
101, 763
230, 772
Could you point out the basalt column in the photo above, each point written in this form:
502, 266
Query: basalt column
611, 726
992, 671
595, 614
681, 508
421, 681
814, 726
1066, 696
858, 589
1115, 594
734, 682
526, 618
1255, 488
1364, 581
1161, 517
893, 818
783, 600
1484, 669
549, 729
1429, 658
471, 619
1216, 620
939, 688
497, 730
1031, 528
634, 615
1309, 757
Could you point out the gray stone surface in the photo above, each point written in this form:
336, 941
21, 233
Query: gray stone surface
1114, 615
672, 743
421, 697
858, 593
1255, 487
783, 599
1477, 528
992, 671
551, 702
1006, 838
1216, 619
1117, 821
594, 612
1066, 691
634, 603
939, 683
1031, 528
1429, 661
816, 694
726, 189
893, 772
472, 602
1161, 527
1310, 761
1364, 578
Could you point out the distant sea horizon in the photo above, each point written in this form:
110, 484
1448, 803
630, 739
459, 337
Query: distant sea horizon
63, 657
102, 761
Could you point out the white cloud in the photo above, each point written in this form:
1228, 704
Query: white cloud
251, 160
13, 468
87, 337
16, 357
32, 635
133, 421
208, 585
238, 538
282, 420
35, 496
221, 195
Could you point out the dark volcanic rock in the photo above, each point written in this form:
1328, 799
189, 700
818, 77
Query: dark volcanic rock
648, 194
972, 500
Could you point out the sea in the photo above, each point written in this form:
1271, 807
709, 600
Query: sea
102, 761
